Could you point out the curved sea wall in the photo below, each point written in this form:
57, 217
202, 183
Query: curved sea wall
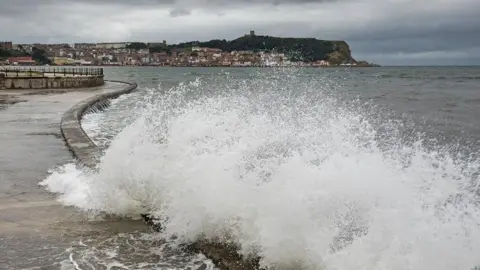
77, 140
225, 256
51, 82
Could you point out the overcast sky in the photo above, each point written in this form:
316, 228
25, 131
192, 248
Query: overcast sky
388, 32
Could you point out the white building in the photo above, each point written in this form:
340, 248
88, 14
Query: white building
111, 45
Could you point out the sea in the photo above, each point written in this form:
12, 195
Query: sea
305, 168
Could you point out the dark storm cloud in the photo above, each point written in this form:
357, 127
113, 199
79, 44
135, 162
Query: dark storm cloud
437, 37
382, 30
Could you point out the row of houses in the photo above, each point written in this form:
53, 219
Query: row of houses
113, 45
121, 54
6, 45
21, 61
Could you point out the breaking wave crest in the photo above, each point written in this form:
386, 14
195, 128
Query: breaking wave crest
279, 164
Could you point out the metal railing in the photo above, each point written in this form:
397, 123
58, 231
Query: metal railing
49, 72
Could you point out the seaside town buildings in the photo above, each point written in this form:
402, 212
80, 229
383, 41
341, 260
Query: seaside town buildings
21, 61
6, 45
121, 54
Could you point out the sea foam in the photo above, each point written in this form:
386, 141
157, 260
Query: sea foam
279, 164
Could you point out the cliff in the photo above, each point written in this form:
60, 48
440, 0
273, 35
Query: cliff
340, 53
305, 49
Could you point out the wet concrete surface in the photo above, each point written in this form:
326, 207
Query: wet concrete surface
35, 230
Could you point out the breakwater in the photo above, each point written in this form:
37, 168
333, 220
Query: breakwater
82, 147
50, 78
87, 153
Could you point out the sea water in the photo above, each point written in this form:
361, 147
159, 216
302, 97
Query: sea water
291, 166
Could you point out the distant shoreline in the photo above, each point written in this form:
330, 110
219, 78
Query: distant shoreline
188, 66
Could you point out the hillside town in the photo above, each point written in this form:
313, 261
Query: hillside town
151, 54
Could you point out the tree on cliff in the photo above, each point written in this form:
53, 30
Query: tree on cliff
39, 56
137, 46
307, 49
4, 54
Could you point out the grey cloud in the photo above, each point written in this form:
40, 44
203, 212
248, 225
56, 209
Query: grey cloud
405, 33
23, 8
381, 30
204, 2
177, 12
19, 5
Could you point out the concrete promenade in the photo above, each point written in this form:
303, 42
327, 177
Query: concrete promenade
34, 229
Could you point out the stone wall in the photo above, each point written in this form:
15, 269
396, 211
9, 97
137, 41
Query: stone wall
50, 82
